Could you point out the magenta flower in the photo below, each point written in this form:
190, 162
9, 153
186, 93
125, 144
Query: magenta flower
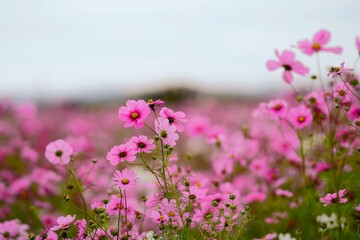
342, 92
287, 61
135, 113
58, 152
331, 198
121, 153
175, 118
300, 116
320, 39
143, 144
63, 222
166, 132
125, 179
13, 229
357, 43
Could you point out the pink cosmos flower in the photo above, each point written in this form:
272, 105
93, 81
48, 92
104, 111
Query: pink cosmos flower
81, 226
197, 126
58, 152
143, 144
159, 218
287, 61
277, 108
121, 153
125, 179
166, 132
357, 207
320, 39
268, 236
255, 196
47, 235
357, 43
331, 198
335, 71
135, 113
29, 153
300, 116
342, 92
115, 204
285, 193
13, 229
354, 112
63, 222
175, 118
152, 104
169, 208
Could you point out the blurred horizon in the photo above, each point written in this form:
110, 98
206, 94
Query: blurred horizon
86, 50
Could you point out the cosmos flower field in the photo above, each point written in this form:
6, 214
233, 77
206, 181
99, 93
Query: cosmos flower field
285, 168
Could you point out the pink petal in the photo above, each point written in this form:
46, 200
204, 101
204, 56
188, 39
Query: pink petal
272, 65
322, 37
336, 50
287, 57
287, 76
306, 47
299, 68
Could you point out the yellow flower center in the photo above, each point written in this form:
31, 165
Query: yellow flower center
134, 115
301, 119
125, 181
316, 46
171, 214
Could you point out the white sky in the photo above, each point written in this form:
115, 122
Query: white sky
72, 49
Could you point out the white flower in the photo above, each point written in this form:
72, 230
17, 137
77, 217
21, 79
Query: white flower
330, 222
150, 235
285, 236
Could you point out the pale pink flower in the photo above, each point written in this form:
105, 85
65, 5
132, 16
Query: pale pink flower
143, 144
300, 116
125, 179
320, 39
135, 113
166, 132
287, 61
58, 152
342, 92
121, 153
63, 222
331, 198
175, 118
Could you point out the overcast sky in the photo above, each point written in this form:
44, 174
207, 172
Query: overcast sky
72, 49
